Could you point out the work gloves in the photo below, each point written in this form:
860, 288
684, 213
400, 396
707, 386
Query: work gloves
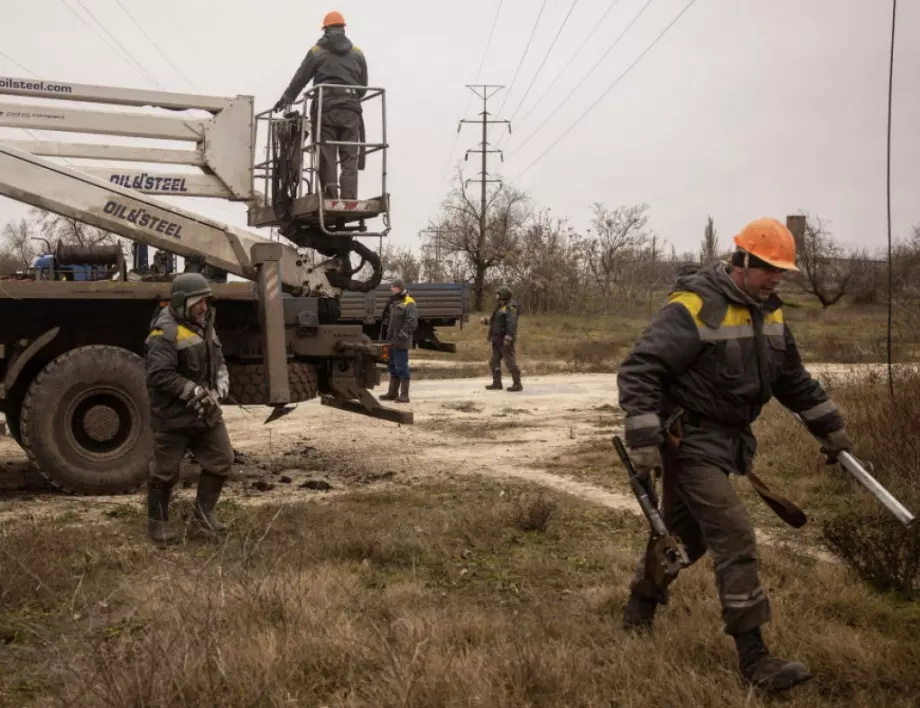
278, 106
204, 402
835, 443
509, 340
647, 461
223, 384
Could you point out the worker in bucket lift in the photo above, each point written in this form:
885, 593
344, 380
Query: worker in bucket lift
399, 322
696, 379
186, 380
335, 60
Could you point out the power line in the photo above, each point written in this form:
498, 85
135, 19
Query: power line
523, 56
115, 39
469, 100
13, 61
565, 101
545, 57
156, 46
609, 88
92, 29
894, 11
485, 52
597, 26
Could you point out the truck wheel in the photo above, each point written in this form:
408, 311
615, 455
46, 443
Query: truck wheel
85, 421
248, 387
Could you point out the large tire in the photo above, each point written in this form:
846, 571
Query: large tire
248, 387
86, 422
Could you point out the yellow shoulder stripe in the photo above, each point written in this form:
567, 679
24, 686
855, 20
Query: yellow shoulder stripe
184, 333
736, 316
775, 316
409, 299
156, 333
357, 48
692, 302
316, 49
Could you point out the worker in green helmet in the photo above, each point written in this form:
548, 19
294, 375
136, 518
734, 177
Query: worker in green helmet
186, 380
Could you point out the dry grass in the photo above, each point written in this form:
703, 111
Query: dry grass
433, 596
553, 344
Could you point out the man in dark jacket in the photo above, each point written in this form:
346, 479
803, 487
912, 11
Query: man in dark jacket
712, 358
334, 60
503, 335
400, 320
186, 379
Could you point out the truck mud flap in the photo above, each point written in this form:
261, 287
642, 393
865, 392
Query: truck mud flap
348, 396
437, 345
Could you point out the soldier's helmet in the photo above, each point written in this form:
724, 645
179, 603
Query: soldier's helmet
504, 292
188, 286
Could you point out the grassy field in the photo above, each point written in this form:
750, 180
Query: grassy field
446, 595
452, 594
846, 334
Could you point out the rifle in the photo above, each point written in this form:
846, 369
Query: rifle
666, 554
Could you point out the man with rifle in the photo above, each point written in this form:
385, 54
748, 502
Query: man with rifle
692, 385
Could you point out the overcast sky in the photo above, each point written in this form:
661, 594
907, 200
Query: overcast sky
745, 108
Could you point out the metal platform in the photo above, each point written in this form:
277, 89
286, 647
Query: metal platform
335, 212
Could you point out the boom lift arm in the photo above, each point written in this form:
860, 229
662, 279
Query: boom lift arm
120, 201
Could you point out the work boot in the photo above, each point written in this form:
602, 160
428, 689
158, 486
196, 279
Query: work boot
209, 487
403, 391
764, 671
639, 613
496, 381
158, 516
394, 390
515, 382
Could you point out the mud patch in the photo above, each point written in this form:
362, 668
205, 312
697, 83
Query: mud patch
462, 406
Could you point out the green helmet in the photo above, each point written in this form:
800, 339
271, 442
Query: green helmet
185, 286
504, 292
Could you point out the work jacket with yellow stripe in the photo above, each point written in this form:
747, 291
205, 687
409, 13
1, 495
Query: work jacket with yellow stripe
179, 358
720, 356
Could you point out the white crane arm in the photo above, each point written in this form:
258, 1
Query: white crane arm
46, 185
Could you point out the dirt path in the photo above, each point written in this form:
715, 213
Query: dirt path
460, 429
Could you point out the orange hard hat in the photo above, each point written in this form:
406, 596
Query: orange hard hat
770, 241
332, 19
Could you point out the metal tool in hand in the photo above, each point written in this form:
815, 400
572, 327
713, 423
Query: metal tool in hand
858, 469
664, 550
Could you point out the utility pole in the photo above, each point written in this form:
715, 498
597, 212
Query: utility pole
484, 92
434, 231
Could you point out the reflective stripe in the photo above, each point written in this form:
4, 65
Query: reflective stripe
692, 302
186, 338
724, 333
743, 601
774, 328
775, 316
645, 420
819, 411
157, 333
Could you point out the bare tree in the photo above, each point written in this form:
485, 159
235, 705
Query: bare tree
401, 263
709, 246
616, 233
544, 269
54, 227
483, 249
826, 272
18, 248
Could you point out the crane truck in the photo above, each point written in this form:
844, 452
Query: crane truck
72, 375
